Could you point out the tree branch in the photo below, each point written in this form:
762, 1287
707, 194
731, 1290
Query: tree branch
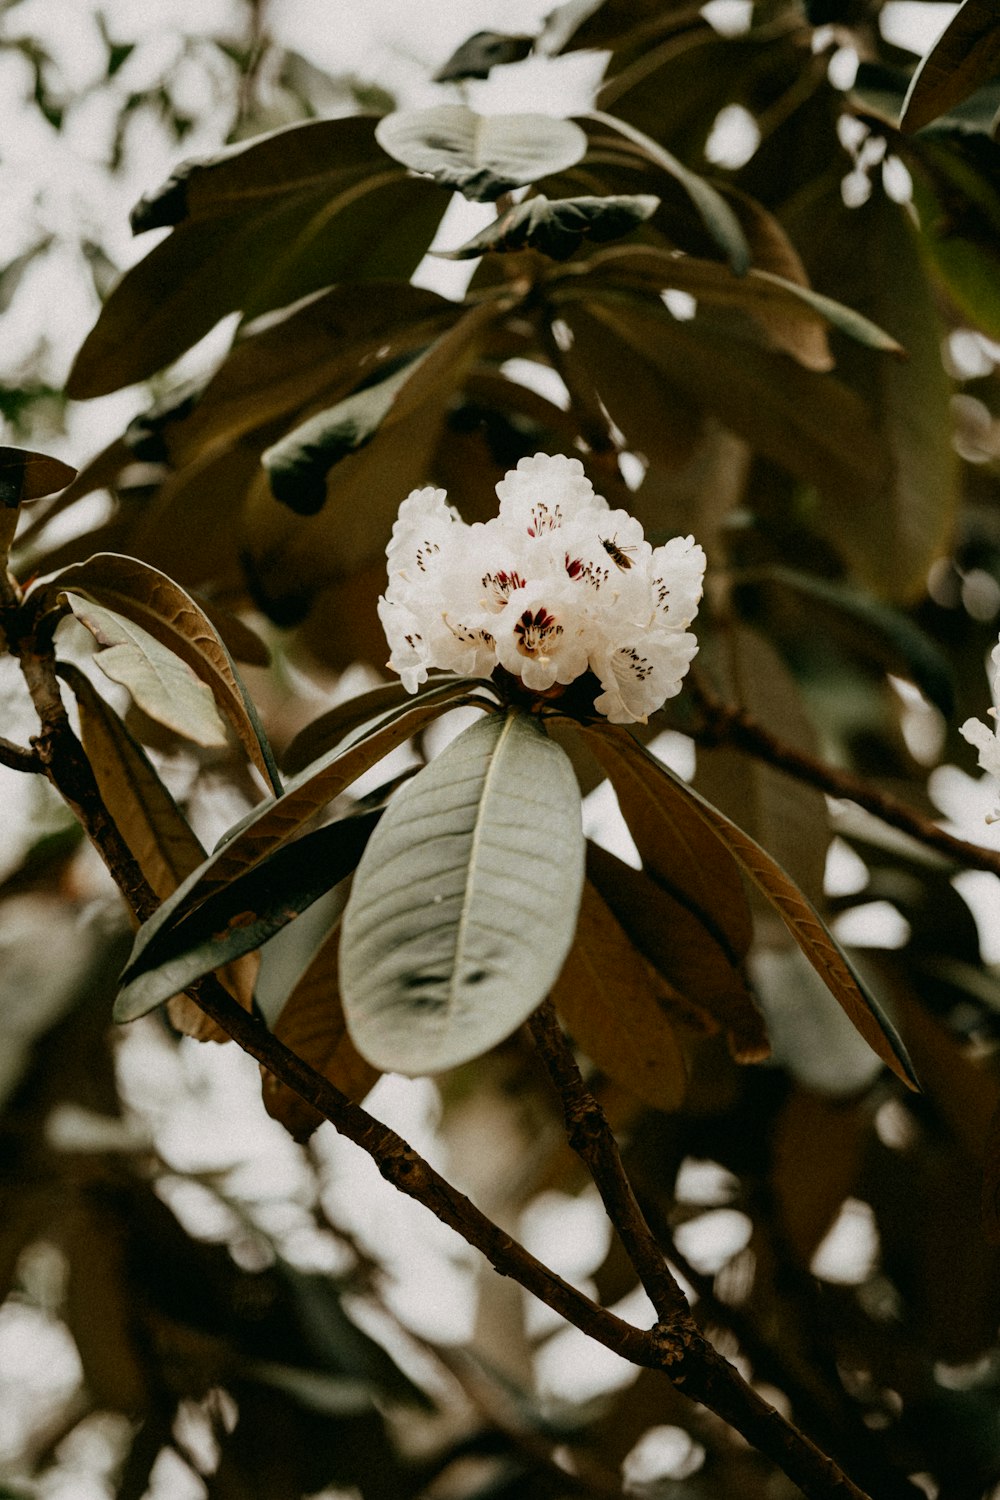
674, 1346
592, 1139
724, 724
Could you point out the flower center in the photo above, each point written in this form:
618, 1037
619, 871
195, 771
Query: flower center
500, 586
534, 631
543, 519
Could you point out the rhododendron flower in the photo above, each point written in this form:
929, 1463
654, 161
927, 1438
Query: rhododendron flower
983, 737
556, 585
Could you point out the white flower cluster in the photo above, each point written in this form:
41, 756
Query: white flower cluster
985, 739
556, 584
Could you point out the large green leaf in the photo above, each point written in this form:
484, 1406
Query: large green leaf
956, 191
482, 156
965, 56
464, 907
706, 982
558, 227
240, 916
797, 913
339, 211
162, 685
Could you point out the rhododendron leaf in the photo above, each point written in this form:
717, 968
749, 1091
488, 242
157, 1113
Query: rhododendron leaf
241, 916
965, 57
465, 904
559, 227
482, 156
609, 998
795, 910
280, 818
162, 685
153, 601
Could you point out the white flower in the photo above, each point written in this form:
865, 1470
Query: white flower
556, 585
985, 739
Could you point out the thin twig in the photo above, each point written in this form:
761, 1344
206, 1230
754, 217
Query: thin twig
724, 724
591, 1137
19, 757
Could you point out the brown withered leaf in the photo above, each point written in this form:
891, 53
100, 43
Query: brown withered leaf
702, 975
312, 1024
608, 996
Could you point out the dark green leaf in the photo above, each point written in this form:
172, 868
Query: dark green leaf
482, 156
241, 916
464, 907
867, 627
558, 227
30, 476
716, 214
482, 52
965, 56
348, 718
329, 208
298, 465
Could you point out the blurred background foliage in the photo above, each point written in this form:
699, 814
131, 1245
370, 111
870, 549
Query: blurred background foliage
224, 1318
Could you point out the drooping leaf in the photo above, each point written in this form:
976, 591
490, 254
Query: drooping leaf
716, 214
686, 860
705, 982
558, 227
784, 814
784, 309
482, 156
607, 995
240, 916
162, 685
798, 914
280, 818
350, 718
965, 56
157, 832
298, 465
30, 476
464, 907
482, 52
151, 600
312, 1023
325, 206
